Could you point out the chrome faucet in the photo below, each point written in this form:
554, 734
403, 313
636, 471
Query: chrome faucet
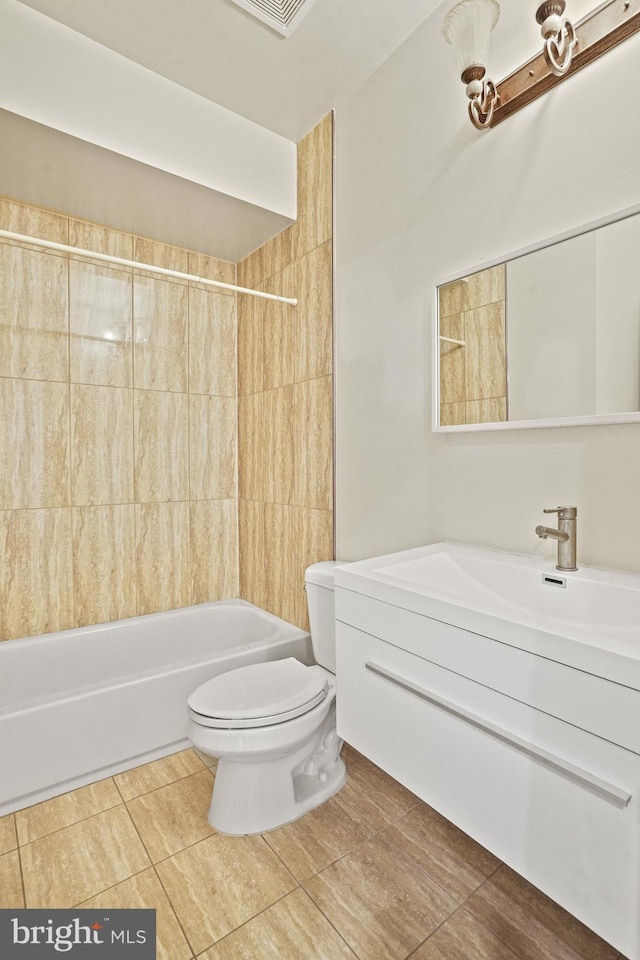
565, 535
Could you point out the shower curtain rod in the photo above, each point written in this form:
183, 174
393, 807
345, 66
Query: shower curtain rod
148, 267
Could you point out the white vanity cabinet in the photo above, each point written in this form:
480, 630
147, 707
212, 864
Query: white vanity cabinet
534, 758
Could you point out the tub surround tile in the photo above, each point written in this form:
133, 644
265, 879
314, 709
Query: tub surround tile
253, 574
214, 550
175, 816
486, 411
531, 924
212, 343
101, 325
161, 445
318, 839
452, 414
451, 857
314, 314
36, 576
158, 773
212, 448
452, 361
250, 345
160, 310
485, 358
374, 797
314, 542
463, 937
94, 236
11, 893
380, 901
484, 287
162, 556
97, 853
281, 580
213, 269
220, 883
8, 837
292, 927
160, 255
251, 462
52, 815
315, 188
101, 445
313, 406
32, 221
145, 891
33, 314
280, 330
34, 444
278, 445
104, 565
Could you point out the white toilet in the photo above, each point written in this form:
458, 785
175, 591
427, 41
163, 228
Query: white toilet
273, 727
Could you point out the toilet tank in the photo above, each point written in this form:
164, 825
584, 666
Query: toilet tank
319, 586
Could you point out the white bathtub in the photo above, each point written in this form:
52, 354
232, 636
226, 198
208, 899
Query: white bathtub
83, 704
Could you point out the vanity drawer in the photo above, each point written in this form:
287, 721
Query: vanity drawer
602, 707
554, 802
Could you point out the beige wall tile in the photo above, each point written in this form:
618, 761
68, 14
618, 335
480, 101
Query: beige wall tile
249, 272
279, 333
313, 411
161, 255
485, 364
315, 176
175, 816
104, 566
293, 927
214, 550
36, 578
212, 343
8, 838
221, 882
101, 445
162, 556
161, 445
144, 891
33, 222
96, 853
314, 314
493, 410
282, 581
484, 287
213, 269
251, 460
93, 236
451, 298
251, 312
150, 776
34, 444
314, 540
279, 440
212, 448
160, 358
11, 896
33, 314
452, 414
45, 818
100, 321
452, 360
252, 566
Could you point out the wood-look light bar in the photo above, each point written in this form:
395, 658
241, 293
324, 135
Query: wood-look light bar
597, 33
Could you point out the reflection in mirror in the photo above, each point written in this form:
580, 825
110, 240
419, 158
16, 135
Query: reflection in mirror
552, 334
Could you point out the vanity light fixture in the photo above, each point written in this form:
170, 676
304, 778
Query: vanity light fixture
567, 48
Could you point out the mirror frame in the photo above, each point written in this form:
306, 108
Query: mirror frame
595, 419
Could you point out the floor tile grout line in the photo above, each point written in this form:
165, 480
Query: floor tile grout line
163, 786
434, 931
329, 921
22, 883
99, 893
74, 823
214, 943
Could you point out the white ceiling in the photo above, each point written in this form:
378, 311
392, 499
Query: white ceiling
214, 48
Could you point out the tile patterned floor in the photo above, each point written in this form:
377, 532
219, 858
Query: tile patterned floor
373, 874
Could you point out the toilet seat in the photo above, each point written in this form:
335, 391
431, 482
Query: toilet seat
258, 695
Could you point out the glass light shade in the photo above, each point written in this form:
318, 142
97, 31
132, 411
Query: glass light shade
467, 28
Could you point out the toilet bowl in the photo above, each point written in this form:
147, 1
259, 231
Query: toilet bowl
272, 727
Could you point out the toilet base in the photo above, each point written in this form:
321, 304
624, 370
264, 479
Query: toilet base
256, 795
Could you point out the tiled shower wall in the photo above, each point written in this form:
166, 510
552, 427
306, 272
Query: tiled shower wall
285, 385
118, 489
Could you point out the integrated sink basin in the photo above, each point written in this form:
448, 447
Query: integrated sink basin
589, 618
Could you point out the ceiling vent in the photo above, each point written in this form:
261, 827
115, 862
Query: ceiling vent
281, 15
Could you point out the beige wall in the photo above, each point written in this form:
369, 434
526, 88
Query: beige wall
420, 196
118, 488
285, 397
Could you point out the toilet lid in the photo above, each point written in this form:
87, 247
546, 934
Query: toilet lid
260, 694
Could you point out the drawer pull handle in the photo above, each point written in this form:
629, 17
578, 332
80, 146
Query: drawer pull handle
602, 787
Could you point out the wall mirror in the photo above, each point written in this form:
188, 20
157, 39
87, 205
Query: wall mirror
549, 336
